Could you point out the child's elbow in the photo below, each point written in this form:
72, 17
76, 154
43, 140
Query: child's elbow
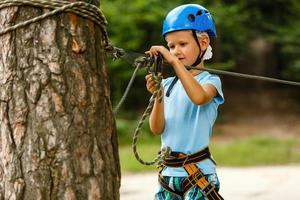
156, 130
200, 100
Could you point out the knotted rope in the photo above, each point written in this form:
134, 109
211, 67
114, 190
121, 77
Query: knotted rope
83, 9
155, 68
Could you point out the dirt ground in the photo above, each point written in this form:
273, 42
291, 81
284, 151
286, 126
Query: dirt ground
259, 183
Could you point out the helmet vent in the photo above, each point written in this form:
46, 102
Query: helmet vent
199, 12
191, 17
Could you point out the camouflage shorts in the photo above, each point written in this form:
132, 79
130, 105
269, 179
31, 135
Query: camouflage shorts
193, 194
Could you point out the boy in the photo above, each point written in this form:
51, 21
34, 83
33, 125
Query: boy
188, 111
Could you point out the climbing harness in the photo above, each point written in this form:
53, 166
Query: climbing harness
195, 175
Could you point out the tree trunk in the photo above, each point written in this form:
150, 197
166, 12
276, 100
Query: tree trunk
58, 137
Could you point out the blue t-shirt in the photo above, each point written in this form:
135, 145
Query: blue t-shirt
188, 127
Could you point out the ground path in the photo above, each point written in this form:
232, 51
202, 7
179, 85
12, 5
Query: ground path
259, 183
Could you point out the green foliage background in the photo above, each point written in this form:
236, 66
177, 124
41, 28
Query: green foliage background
136, 25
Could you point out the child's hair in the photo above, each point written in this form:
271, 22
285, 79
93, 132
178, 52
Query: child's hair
202, 34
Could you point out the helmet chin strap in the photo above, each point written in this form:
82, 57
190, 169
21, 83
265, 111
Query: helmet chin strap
200, 55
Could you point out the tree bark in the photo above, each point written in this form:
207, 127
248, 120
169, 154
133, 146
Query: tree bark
58, 137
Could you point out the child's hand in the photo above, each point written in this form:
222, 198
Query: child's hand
150, 84
168, 57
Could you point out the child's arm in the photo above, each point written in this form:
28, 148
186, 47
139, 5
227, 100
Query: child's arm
156, 119
199, 94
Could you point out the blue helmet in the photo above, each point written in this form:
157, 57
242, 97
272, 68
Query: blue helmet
189, 17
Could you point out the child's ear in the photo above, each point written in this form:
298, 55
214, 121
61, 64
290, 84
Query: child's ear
204, 42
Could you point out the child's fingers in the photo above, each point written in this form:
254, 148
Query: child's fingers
150, 83
154, 51
151, 88
148, 76
149, 53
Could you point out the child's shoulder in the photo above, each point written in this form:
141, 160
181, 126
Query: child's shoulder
206, 75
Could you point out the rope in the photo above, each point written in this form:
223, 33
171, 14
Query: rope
156, 93
139, 63
221, 72
82, 9
157, 76
154, 66
240, 75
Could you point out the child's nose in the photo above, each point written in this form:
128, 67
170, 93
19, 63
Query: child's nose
177, 51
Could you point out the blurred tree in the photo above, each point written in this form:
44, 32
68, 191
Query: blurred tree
263, 30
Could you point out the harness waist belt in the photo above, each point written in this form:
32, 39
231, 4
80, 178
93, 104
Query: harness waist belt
177, 159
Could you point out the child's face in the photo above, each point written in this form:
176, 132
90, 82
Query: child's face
183, 45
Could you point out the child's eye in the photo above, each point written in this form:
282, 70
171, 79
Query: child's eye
183, 44
171, 47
